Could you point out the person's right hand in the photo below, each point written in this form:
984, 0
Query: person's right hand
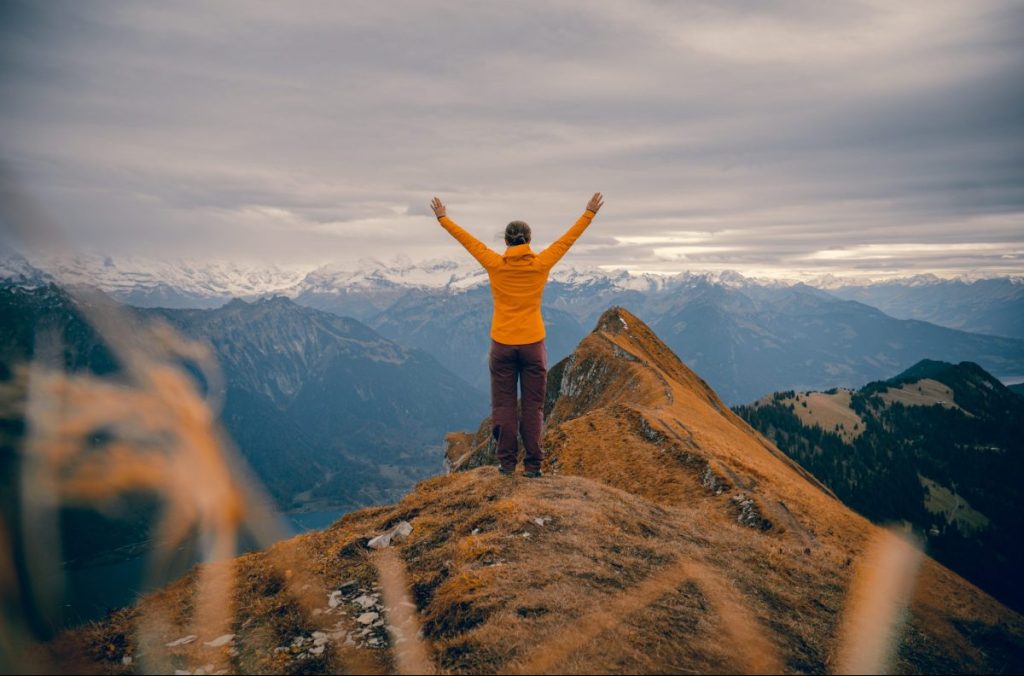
438, 207
595, 202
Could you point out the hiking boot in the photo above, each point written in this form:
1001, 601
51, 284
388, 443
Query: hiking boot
506, 472
532, 473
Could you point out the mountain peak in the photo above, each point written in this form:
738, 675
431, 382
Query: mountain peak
930, 368
626, 397
615, 320
953, 375
269, 302
16, 269
276, 300
971, 387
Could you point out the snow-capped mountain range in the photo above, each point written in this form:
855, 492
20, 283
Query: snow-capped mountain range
137, 278
213, 279
928, 279
747, 336
222, 280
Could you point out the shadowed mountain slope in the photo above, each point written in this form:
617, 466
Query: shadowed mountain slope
325, 407
990, 306
666, 536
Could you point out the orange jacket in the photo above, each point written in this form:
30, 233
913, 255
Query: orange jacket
517, 280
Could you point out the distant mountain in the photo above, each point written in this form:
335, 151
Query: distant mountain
1018, 388
992, 306
145, 282
455, 329
752, 340
17, 271
352, 416
445, 308
978, 305
940, 446
745, 337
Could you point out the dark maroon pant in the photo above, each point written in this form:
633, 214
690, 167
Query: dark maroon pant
527, 364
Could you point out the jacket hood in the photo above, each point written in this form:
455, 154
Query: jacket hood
518, 251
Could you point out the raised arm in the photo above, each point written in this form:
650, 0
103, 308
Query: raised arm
548, 257
485, 256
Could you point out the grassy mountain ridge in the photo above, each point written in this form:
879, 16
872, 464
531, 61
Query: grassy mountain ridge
667, 535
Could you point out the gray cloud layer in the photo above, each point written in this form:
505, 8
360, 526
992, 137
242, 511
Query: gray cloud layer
776, 138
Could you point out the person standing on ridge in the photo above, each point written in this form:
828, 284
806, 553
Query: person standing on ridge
518, 351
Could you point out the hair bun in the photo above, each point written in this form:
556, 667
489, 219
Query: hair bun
517, 233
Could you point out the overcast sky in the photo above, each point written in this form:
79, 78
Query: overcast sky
776, 138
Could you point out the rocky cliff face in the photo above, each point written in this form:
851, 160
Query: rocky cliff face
666, 536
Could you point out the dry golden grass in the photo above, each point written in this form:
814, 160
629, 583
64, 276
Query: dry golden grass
627, 583
827, 411
611, 581
925, 392
832, 412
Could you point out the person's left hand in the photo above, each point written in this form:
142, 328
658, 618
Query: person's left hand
438, 207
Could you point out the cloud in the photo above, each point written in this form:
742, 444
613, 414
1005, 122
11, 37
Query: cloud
758, 137
917, 249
